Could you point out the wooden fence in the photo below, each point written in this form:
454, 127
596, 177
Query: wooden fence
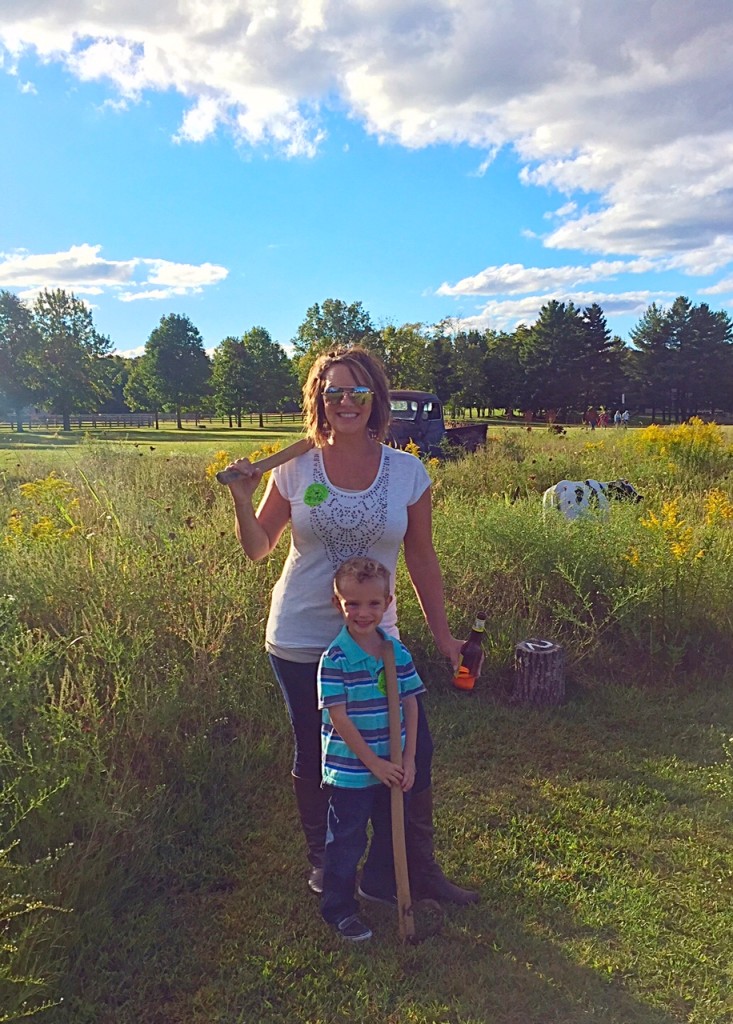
98, 421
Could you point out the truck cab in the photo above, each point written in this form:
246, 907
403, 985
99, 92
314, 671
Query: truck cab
417, 416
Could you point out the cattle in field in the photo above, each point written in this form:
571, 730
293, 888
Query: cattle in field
575, 498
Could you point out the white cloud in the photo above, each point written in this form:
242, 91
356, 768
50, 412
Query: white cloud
131, 353
149, 293
624, 104
726, 285
201, 120
82, 270
80, 267
505, 315
185, 277
514, 278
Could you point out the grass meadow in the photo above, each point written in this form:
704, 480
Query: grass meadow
151, 868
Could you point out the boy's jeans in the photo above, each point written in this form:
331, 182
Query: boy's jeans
349, 812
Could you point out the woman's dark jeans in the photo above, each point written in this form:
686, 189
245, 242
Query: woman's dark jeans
298, 682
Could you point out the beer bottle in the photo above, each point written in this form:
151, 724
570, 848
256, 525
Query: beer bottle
471, 653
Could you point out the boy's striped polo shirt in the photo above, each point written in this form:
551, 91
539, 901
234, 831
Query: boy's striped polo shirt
348, 675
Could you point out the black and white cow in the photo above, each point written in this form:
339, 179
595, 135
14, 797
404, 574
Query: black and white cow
576, 498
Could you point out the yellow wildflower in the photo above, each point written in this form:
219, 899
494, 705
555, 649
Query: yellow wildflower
49, 488
413, 448
693, 445
718, 507
47, 513
682, 544
220, 461
650, 520
44, 529
632, 556
670, 514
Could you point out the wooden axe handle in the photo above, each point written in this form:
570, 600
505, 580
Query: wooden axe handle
405, 918
228, 476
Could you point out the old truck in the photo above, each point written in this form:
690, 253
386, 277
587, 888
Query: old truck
418, 416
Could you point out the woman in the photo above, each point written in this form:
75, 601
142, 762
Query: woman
350, 495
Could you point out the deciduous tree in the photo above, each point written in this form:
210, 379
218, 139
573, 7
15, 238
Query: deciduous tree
20, 345
272, 373
330, 325
404, 352
232, 378
175, 367
67, 361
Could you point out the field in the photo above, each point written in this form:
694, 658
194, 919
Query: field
151, 870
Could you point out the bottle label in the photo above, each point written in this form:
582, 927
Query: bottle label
463, 679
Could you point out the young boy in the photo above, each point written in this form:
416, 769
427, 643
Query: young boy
356, 768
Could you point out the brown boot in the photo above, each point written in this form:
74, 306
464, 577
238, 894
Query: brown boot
427, 880
312, 804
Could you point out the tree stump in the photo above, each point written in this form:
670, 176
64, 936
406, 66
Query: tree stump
539, 673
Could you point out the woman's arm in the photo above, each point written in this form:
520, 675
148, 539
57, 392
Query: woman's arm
424, 569
257, 532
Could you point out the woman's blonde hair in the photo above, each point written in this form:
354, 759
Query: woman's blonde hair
366, 369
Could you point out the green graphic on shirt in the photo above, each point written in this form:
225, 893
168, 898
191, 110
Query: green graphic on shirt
315, 494
382, 682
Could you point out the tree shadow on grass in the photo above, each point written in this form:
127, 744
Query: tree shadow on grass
22, 443
525, 979
224, 931
220, 927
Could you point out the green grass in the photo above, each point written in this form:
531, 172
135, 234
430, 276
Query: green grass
157, 443
599, 836
144, 755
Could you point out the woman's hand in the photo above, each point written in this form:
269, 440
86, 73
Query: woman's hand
451, 648
247, 480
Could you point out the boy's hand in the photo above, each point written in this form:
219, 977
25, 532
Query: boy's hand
408, 776
388, 773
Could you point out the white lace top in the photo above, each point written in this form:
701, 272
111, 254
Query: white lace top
329, 525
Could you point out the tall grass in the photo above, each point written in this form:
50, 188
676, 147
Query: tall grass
639, 594
139, 718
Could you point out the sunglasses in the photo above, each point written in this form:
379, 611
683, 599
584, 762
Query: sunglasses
359, 395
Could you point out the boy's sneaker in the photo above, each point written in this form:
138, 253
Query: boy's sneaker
390, 899
353, 929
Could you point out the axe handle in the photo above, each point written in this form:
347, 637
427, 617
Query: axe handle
405, 918
228, 476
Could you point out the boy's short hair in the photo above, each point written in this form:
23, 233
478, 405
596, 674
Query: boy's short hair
361, 570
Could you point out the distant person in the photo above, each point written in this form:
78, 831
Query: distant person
617, 418
625, 418
591, 417
357, 772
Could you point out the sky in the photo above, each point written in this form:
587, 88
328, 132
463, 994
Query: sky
237, 161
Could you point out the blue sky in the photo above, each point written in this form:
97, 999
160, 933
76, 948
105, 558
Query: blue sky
238, 163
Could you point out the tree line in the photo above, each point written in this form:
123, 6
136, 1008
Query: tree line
679, 362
